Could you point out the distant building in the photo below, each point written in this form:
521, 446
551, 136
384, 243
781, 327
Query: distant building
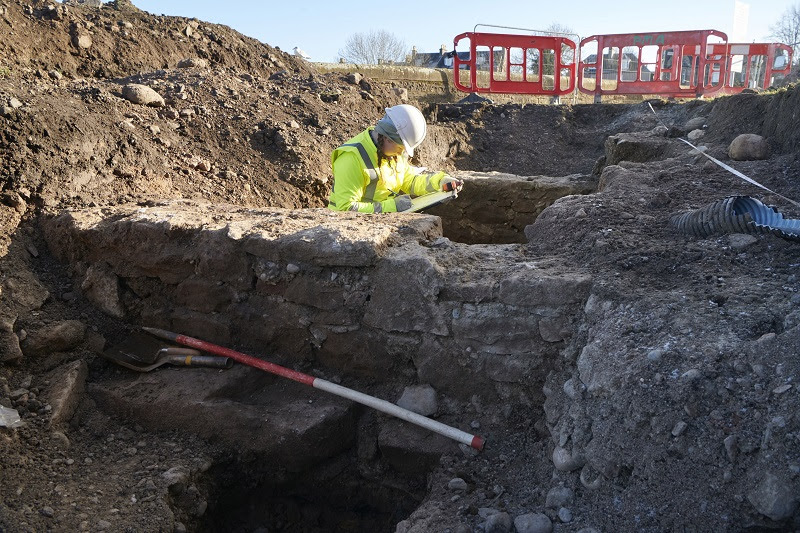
629, 71
444, 59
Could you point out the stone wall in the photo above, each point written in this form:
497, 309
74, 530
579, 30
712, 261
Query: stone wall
495, 207
325, 289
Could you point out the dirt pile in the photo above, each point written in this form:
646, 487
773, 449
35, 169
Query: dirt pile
669, 403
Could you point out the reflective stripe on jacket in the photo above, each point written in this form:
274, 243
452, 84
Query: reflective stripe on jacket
359, 186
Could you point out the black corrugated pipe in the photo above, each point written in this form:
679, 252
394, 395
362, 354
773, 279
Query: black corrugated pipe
736, 214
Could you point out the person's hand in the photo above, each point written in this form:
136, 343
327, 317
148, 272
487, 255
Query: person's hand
402, 203
451, 184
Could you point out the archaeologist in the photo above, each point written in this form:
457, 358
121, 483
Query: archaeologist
371, 171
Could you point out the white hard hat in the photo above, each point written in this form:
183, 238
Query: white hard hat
410, 125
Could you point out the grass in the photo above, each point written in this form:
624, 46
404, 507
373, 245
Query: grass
5, 72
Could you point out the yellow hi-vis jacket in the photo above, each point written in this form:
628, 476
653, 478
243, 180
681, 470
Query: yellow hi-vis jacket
359, 186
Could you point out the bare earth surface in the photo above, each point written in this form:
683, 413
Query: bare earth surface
667, 400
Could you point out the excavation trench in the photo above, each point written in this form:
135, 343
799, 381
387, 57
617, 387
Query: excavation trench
380, 306
449, 299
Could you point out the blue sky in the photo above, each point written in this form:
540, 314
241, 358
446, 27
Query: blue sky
321, 28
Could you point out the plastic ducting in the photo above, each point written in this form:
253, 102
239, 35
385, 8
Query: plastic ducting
736, 214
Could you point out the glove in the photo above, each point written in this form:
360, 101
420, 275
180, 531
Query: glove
402, 203
451, 184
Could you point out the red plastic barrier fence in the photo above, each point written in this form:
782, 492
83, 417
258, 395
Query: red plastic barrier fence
755, 65
514, 64
680, 63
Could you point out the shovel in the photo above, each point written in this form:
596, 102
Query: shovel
143, 353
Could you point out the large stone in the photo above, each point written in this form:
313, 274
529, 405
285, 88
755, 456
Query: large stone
533, 289
560, 496
315, 293
404, 299
695, 123
354, 78
747, 147
192, 62
554, 329
25, 290
504, 328
68, 385
596, 371
82, 41
498, 523
566, 461
533, 523
177, 479
284, 424
696, 134
410, 448
419, 399
9, 342
436, 365
142, 95
101, 287
13, 199
774, 497
57, 337
638, 147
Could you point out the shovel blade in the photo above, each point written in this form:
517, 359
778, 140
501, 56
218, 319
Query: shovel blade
137, 348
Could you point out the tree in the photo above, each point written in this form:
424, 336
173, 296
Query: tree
548, 57
373, 47
787, 30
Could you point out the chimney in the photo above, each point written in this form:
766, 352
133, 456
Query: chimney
443, 49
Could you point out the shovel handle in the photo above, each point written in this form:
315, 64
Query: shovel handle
172, 350
211, 361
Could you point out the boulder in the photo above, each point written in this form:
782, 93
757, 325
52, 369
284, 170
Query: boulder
82, 41
142, 95
696, 134
101, 287
638, 147
773, 497
419, 399
9, 342
67, 390
354, 78
193, 62
533, 523
748, 147
56, 337
560, 496
25, 290
565, 461
695, 123
498, 523
286, 423
406, 283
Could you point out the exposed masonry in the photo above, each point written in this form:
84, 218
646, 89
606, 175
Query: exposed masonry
363, 299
